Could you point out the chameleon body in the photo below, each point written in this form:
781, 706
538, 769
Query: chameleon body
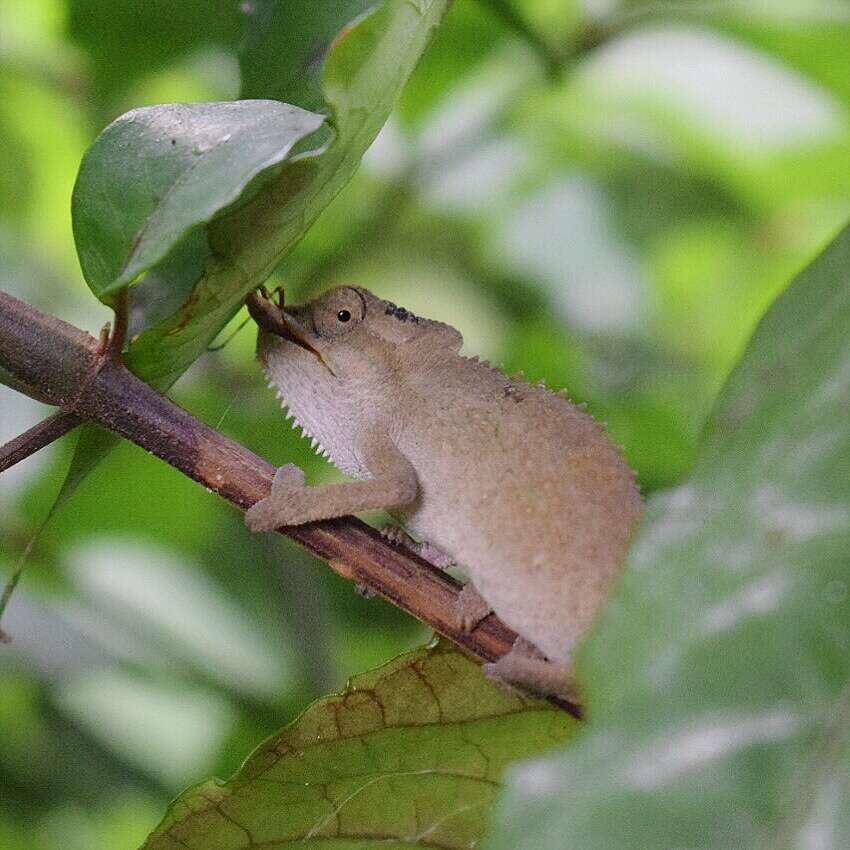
517, 485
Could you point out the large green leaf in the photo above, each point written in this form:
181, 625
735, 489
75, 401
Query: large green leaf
409, 755
718, 681
158, 173
363, 73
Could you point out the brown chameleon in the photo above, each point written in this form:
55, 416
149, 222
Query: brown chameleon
515, 484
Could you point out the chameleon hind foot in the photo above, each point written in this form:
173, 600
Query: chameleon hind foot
472, 608
525, 667
435, 556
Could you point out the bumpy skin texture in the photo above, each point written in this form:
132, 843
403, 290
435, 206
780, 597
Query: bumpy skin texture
520, 486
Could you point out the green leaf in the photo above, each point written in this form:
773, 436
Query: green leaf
718, 679
363, 75
158, 173
93, 444
285, 46
187, 299
410, 754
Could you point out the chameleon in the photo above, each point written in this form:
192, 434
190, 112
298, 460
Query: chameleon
516, 485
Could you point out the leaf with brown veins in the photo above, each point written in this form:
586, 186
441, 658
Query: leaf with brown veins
409, 754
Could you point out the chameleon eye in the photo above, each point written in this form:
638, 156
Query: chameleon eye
339, 312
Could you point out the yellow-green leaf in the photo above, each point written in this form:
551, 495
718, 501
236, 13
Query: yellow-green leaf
409, 755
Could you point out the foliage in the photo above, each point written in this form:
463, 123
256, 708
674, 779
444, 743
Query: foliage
719, 677
165, 158
158, 174
410, 754
617, 224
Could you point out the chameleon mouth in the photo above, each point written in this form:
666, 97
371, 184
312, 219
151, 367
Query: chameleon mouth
272, 318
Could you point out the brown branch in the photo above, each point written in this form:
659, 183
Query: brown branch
37, 437
58, 359
63, 421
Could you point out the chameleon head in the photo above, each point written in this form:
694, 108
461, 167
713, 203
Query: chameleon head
347, 335
333, 360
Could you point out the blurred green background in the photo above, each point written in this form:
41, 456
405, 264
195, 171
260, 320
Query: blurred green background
617, 228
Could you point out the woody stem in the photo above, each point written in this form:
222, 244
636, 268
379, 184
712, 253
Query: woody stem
43, 434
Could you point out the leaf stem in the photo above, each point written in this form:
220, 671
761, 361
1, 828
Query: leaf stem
115, 345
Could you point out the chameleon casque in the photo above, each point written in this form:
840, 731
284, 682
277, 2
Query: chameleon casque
516, 484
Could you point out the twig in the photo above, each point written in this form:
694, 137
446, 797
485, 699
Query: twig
43, 434
57, 358
115, 345
63, 421
505, 11
110, 348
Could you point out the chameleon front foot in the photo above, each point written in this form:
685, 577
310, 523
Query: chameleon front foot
283, 505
